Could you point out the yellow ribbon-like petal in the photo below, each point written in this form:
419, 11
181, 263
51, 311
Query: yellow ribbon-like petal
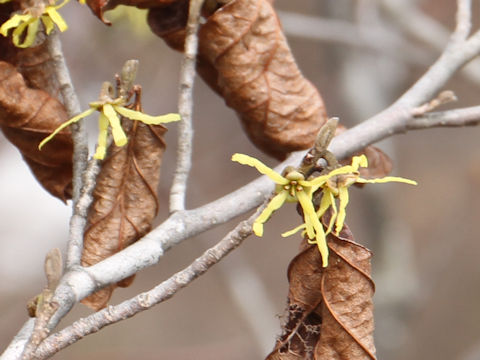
321, 241
311, 217
309, 212
261, 167
18, 32
31, 25
359, 161
319, 181
119, 136
386, 179
102, 137
293, 231
146, 119
54, 15
342, 212
49, 25
273, 205
13, 22
328, 200
65, 124
62, 4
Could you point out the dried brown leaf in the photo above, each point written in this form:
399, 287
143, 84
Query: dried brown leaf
125, 200
52, 166
168, 22
281, 111
330, 310
347, 306
244, 56
26, 117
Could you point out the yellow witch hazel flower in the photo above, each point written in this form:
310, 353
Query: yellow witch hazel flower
294, 188
109, 110
29, 21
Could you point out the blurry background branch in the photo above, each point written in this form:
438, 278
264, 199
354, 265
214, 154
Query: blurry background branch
343, 32
422, 27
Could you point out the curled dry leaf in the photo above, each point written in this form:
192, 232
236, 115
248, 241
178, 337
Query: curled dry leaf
125, 200
168, 22
330, 310
26, 117
281, 111
29, 86
244, 56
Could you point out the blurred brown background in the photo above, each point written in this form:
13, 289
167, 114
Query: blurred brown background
426, 251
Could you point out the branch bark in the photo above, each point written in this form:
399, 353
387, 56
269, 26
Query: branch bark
452, 118
72, 105
80, 150
185, 108
147, 300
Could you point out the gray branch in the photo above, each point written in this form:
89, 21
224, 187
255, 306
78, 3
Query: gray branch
72, 105
147, 300
80, 149
452, 118
185, 108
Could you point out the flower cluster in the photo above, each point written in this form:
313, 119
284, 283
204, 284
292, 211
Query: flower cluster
26, 25
292, 187
110, 109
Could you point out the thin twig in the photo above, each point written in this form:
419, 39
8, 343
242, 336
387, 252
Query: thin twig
346, 33
78, 220
80, 151
429, 31
464, 20
72, 106
147, 300
185, 108
451, 118
20, 341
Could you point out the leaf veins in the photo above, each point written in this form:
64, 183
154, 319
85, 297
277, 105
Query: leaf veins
28, 115
125, 200
330, 310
